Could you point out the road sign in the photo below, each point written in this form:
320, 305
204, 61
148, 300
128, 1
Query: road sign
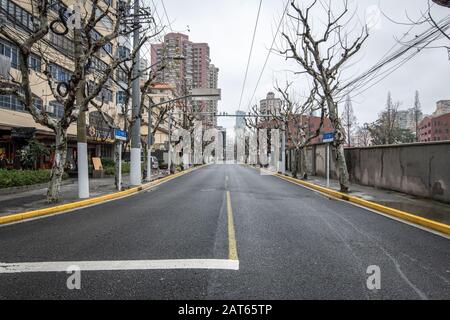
328, 137
120, 135
205, 94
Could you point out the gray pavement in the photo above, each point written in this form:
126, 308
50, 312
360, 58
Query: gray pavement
18, 201
426, 208
292, 243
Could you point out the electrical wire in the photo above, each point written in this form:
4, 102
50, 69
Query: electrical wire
269, 53
250, 54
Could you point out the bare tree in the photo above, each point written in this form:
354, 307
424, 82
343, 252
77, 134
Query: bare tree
295, 120
89, 73
417, 114
322, 54
386, 130
349, 120
363, 136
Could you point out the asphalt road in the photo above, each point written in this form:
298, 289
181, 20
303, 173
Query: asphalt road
292, 243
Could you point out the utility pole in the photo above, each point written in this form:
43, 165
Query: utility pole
283, 149
169, 162
83, 171
135, 170
149, 143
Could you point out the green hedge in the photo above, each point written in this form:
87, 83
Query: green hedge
18, 178
109, 170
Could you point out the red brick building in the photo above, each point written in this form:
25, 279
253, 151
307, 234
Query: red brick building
435, 128
312, 123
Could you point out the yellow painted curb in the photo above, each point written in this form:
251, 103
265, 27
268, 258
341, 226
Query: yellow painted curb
434, 225
80, 204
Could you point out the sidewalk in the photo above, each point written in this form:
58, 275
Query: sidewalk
33, 199
425, 208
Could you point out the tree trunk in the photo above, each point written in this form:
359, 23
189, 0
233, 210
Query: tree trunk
58, 166
304, 166
118, 166
339, 146
295, 164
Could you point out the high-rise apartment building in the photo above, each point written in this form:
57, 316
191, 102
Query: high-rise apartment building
407, 119
240, 119
213, 83
188, 66
270, 105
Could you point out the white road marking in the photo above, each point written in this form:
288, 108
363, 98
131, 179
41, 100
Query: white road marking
31, 267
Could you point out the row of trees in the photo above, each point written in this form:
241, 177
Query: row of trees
322, 50
83, 90
387, 129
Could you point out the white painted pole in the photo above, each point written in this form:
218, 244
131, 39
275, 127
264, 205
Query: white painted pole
83, 171
119, 178
170, 142
149, 145
328, 165
283, 150
135, 169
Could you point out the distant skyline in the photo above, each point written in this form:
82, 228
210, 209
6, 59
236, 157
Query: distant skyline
227, 26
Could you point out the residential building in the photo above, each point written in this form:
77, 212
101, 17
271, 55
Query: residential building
240, 119
16, 125
435, 128
310, 124
213, 83
189, 66
407, 119
223, 142
270, 105
161, 92
442, 107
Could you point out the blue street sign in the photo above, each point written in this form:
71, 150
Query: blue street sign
120, 135
328, 137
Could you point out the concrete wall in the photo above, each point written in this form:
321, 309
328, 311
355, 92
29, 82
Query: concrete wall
420, 169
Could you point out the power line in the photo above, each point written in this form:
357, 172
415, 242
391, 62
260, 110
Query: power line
167, 16
250, 54
269, 53
420, 42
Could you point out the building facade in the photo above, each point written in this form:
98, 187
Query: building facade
435, 128
188, 66
442, 107
270, 105
17, 126
407, 119
240, 119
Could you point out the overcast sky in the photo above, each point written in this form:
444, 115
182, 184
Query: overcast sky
227, 25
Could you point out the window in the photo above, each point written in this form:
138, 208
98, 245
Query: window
10, 51
35, 63
57, 109
106, 94
124, 52
11, 102
18, 15
121, 75
120, 97
62, 42
59, 73
106, 21
98, 65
